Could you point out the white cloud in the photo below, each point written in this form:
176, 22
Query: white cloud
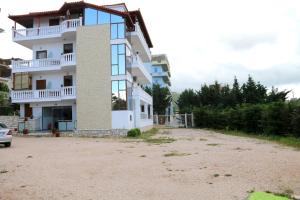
206, 40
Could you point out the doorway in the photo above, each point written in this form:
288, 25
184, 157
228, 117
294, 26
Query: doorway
40, 84
68, 81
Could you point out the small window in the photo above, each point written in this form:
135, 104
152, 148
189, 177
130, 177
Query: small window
41, 54
68, 48
142, 108
54, 22
149, 112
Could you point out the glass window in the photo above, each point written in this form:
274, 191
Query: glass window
122, 85
103, 17
114, 31
122, 64
90, 16
121, 30
119, 98
121, 48
115, 70
116, 19
118, 59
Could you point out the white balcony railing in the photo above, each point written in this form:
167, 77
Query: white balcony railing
139, 70
43, 95
46, 31
68, 59
43, 64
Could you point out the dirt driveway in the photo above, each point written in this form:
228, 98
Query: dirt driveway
199, 165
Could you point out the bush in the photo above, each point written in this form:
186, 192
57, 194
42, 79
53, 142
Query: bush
275, 119
295, 121
134, 132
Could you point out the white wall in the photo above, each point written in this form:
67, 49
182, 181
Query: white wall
54, 50
121, 119
54, 80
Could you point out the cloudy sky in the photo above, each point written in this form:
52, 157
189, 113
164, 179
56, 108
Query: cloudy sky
205, 40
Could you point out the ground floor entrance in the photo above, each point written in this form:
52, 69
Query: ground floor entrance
59, 118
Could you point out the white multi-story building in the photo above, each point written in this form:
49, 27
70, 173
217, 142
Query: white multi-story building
161, 74
87, 68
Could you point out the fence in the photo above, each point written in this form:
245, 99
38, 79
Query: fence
175, 121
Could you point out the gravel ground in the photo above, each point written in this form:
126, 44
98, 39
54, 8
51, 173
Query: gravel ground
198, 165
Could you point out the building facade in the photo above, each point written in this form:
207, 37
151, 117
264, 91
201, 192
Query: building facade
87, 68
5, 71
161, 75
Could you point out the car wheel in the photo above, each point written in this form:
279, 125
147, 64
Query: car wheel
7, 144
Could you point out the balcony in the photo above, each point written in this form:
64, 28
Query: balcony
139, 43
27, 96
139, 70
47, 64
164, 75
23, 36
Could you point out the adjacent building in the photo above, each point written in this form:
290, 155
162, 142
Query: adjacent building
5, 71
161, 74
87, 68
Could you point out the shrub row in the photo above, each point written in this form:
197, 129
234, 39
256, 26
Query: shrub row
276, 118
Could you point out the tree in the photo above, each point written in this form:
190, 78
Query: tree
161, 99
253, 93
148, 90
236, 93
187, 101
4, 87
275, 95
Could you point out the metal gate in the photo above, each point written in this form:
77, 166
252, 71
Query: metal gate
174, 121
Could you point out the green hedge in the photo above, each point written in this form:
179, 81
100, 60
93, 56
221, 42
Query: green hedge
276, 118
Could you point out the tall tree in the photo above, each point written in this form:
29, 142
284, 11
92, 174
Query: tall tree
236, 93
187, 101
161, 99
276, 95
253, 92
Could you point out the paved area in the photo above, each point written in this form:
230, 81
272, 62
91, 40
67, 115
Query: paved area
198, 165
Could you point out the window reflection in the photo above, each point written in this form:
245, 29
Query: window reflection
103, 17
90, 16
118, 59
119, 95
116, 19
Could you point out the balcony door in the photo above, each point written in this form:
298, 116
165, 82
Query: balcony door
40, 84
68, 81
68, 48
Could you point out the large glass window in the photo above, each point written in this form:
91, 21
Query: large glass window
103, 17
116, 19
117, 31
119, 96
118, 63
90, 16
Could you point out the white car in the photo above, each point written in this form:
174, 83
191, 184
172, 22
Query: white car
5, 135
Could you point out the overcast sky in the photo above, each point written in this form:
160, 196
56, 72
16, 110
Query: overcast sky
204, 40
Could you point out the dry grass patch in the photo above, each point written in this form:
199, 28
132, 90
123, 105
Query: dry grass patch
176, 153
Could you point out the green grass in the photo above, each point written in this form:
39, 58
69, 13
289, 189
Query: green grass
266, 196
284, 140
147, 136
